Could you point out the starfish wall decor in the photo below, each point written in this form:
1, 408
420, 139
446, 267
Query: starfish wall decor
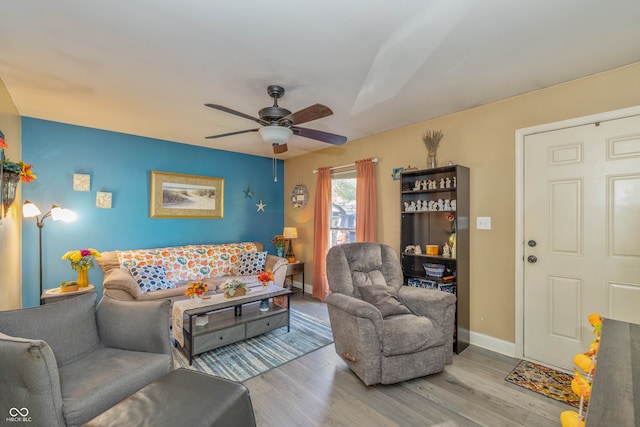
248, 193
261, 206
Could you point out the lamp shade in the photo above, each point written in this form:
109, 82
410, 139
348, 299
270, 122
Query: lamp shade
290, 233
275, 134
29, 210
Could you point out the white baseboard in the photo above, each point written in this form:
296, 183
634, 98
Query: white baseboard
494, 344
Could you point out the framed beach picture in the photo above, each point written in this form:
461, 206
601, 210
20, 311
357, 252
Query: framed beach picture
175, 195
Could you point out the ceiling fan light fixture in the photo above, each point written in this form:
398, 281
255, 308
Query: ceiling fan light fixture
274, 134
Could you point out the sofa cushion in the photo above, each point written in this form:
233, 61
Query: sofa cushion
385, 298
69, 326
409, 333
251, 263
151, 278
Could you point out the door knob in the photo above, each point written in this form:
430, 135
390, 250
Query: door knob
532, 259
532, 243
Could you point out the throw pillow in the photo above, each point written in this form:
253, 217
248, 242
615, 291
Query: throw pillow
385, 298
151, 278
252, 263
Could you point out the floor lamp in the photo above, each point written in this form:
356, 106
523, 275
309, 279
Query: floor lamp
30, 210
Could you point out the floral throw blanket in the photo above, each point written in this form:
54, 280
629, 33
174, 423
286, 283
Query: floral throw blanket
191, 262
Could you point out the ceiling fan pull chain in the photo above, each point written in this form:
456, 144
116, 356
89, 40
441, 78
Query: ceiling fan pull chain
275, 169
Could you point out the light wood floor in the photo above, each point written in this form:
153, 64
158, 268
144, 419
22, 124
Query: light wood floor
319, 389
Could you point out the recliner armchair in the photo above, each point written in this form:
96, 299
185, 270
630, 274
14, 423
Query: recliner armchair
388, 339
69, 361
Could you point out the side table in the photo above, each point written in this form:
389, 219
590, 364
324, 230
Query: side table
55, 294
294, 268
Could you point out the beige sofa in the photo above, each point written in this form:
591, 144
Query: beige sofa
213, 264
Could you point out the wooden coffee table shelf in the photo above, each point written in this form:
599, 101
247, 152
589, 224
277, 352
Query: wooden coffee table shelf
231, 321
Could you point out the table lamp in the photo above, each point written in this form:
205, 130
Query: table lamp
290, 233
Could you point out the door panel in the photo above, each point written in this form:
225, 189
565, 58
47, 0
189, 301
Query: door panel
582, 207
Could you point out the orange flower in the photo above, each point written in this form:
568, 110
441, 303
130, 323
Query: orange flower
265, 277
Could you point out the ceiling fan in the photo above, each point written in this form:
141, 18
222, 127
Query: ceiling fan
278, 124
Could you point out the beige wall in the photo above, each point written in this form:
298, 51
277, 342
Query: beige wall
10, 229
483, 139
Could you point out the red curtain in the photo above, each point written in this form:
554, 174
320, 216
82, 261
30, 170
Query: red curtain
366, 202
321, 231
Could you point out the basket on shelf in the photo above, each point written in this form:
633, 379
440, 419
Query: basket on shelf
434, 270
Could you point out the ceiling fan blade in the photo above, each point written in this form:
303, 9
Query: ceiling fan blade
236, 113
280, 148
313, 112
231, 133
319, 135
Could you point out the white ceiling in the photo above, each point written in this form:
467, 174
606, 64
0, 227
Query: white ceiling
146, 67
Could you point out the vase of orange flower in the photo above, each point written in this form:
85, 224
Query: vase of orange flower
196, 291
265, 277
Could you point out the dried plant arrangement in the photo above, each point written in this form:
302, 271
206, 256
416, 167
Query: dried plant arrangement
432, 139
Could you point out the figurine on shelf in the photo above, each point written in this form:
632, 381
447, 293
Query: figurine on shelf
406, 206
440, 204
442, 183
416, 187
432, 205
432, 184
424, 184
447, 182
418, 250
446, 252
412, 206
419, 205
447, 205
454, 182
453, 205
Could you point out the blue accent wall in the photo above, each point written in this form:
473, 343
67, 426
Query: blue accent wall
122, 164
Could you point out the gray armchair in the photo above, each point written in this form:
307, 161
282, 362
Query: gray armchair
69, 361
386, 332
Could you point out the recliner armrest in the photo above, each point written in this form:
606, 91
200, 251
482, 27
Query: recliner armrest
357, 308
30, 379
427, 302
134, 325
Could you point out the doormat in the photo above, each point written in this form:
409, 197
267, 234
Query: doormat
543, 380
254, 356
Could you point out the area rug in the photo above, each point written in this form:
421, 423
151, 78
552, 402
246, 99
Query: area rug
246, 359
544, 380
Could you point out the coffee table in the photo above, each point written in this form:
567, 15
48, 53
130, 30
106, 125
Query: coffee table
231, 320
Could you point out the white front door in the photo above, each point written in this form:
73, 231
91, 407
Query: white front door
581, 235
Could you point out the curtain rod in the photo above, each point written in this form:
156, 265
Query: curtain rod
374, 160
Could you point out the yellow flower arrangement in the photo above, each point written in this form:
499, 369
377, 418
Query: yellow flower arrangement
196, 288
82, 259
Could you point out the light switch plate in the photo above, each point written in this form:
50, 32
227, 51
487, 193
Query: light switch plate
483, 223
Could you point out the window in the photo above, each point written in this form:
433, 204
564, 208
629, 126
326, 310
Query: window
343, 208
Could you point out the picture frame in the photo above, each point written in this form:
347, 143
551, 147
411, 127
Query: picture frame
397, 172
176, 195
